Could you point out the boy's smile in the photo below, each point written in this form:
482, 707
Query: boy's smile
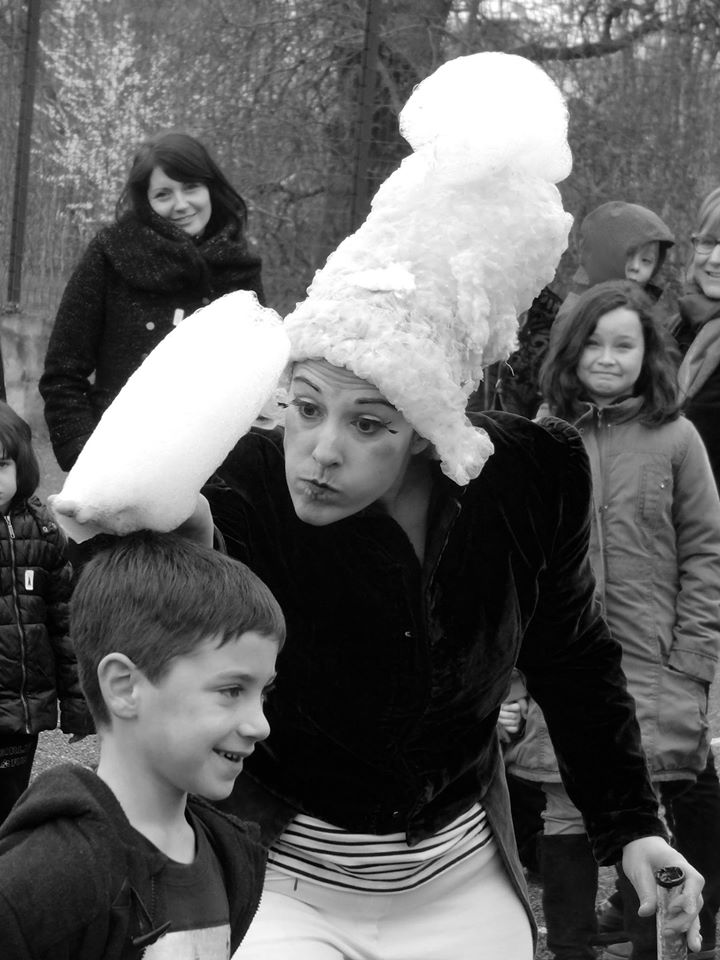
196, 725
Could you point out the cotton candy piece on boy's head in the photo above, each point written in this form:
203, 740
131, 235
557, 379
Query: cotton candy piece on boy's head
175, 420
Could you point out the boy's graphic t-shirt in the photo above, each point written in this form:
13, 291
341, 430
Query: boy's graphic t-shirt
195, 902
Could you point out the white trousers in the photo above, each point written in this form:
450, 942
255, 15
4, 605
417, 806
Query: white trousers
467, 913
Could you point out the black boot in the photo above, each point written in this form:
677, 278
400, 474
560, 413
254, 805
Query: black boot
696, 823
570, 878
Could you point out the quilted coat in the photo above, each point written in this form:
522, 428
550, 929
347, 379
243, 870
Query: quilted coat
37, 663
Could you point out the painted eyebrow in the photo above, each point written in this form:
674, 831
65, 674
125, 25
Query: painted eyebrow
307, 383
381, 400
366, 400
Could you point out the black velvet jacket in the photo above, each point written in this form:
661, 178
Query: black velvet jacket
384, 713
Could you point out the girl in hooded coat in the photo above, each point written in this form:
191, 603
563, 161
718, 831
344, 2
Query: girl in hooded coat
655, 553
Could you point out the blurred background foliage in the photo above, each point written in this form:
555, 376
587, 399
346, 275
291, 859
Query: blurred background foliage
273, 87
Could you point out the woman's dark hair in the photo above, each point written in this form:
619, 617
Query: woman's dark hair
657, 383
182, 158
16, 444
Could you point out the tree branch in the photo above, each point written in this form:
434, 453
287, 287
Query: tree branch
591, 48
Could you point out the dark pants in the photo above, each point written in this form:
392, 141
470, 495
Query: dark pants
17, 752
693, 814
696, 825
527, 801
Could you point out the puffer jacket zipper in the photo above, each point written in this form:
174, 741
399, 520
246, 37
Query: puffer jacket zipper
19, 623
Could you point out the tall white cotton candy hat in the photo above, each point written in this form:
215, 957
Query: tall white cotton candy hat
175, 420
458, 242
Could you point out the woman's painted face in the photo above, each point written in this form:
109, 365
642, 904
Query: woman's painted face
345, 446
187, 205
612, 357
706, 266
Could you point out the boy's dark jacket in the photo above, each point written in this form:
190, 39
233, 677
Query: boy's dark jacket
37, 662
76, 880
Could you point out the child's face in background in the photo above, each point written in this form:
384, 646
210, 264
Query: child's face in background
612, 357
641, 263
8, 482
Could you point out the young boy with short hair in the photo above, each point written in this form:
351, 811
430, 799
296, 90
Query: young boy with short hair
176, 647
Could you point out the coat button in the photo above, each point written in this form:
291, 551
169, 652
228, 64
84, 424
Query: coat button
149, 325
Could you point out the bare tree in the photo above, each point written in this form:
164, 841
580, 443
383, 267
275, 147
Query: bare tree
273, 86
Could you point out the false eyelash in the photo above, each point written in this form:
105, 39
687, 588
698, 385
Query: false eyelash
388, 427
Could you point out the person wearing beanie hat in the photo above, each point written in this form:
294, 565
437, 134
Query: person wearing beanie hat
418, 555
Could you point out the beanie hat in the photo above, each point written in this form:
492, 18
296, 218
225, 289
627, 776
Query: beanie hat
458, 242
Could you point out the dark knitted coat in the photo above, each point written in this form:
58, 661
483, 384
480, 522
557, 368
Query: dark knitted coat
134, 282
37, 663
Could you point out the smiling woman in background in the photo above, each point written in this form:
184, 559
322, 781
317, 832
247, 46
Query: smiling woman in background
179, 242
698, 330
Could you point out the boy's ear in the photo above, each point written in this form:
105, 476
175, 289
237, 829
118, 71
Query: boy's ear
118, 678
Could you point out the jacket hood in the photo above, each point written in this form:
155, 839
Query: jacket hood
610, 232
73, 792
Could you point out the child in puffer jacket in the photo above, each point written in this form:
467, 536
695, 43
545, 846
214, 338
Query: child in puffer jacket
37, 664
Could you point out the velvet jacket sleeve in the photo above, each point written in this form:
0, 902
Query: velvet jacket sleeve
72, 356
573, 670
696, 517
